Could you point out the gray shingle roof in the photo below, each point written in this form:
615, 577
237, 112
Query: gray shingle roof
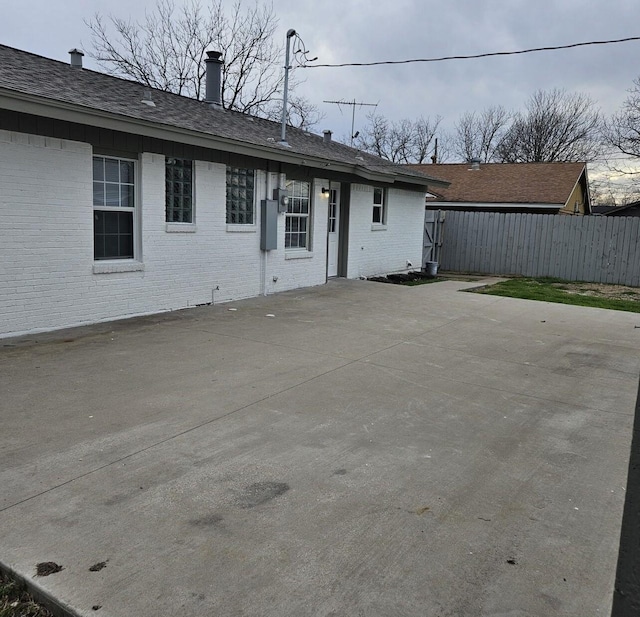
57, 82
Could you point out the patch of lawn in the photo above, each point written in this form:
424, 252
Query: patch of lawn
16, 602
547, 291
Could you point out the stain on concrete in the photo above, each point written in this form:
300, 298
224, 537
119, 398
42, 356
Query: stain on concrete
96, 567
46, 568
117, 499
209, 520
260, 493
340, 472
552, 601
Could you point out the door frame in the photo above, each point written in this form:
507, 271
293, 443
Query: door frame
334, 186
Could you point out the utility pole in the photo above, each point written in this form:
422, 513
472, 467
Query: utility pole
353, 104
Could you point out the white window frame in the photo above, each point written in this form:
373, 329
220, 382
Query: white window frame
296, 199
381, 207
134, 210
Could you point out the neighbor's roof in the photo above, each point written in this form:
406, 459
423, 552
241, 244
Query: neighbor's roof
50, 88
616, 210
518, 183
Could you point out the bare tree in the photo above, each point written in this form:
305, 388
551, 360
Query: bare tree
557, 126
613, 189
168, 48
622, 131
477, 135
301, 113
405, 141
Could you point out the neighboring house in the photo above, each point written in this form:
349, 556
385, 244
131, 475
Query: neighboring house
117, 200
548, 188
632, 209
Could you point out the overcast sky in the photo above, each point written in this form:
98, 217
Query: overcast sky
371, 30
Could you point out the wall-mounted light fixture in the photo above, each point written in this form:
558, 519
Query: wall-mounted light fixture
325, 191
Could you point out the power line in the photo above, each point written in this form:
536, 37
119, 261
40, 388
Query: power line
485, 55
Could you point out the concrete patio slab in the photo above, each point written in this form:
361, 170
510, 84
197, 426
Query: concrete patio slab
368, 449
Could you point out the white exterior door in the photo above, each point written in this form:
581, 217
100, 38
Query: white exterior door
333, 230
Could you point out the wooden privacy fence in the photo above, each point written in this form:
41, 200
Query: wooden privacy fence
598, 249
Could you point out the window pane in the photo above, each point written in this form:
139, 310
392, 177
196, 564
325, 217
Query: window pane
113, 235
98, 194
125, 223
125, 248
98, 222
126, 196
98, 168
111, 223
377, 196
113, 194
111, 245
112, 170
126, 172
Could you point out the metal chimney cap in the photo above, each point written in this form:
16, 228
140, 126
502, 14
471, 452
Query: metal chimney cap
76, 57
213, 56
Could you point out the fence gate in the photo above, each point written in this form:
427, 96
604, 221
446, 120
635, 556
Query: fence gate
433, 227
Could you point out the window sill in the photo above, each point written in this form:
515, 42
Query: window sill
247, 229
378, 227
180, 228
113, 266
302, 254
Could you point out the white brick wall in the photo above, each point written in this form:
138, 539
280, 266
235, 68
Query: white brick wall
47, 277
382, 249
46, 231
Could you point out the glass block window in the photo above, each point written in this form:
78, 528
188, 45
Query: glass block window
297, 216
113, 208
379, 206
240, 196
179, 190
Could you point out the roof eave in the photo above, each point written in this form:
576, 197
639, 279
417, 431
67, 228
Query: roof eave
498, 205
50, 108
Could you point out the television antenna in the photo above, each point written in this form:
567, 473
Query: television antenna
353, 105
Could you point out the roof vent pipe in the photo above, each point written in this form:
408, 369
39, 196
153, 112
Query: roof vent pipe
213, 94
326, 136
475, 164
76, 58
